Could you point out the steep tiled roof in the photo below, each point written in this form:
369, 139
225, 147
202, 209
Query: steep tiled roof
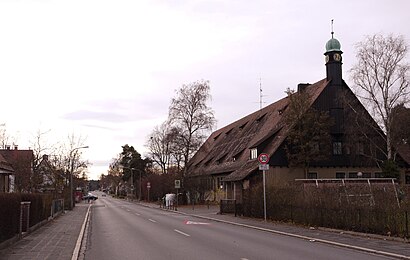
5, 166
19, 159
227, 149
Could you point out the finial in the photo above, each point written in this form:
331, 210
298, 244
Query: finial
332, 28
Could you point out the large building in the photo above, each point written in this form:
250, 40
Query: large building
227, 162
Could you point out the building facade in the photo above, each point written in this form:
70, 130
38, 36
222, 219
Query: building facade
226, 164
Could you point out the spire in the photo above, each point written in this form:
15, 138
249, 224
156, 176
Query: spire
333, 44
331, 25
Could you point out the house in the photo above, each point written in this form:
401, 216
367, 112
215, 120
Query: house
50, 179
226, 164
6, 176
22, 163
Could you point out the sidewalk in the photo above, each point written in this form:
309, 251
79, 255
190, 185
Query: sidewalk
55, 240
388, 246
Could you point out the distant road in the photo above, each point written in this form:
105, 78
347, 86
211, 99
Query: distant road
123, 230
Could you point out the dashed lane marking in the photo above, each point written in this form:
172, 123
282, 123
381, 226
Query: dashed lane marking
152, 220
182, 233
188, 222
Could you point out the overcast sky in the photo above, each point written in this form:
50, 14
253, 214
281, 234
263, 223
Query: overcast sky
106, 70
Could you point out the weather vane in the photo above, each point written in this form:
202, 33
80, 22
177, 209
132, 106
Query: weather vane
332, 28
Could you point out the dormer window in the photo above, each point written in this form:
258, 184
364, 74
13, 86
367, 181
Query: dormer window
236, 156
260, 118
254, 153
243, 126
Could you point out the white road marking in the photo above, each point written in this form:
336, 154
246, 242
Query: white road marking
182, 233
188, 222
138, 214
152, 220
128, 210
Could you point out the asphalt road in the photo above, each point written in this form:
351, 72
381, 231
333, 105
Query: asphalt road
124, 230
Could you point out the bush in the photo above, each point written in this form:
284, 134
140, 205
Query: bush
10, 215
361, 209
40, 209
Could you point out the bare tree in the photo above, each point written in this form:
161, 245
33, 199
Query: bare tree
159, 146
381, 79
190, 113
5, 138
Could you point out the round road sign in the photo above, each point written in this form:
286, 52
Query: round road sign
263, 158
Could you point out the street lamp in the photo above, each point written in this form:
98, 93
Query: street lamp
71, 174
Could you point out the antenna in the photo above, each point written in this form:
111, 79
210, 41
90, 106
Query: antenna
260, 93
332, 28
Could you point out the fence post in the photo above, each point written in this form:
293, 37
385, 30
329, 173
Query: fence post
407, 224
24, 216
234, 203
220, 208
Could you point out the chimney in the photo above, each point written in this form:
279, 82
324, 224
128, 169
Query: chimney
302, 86
45, 157
8, 147
16, 147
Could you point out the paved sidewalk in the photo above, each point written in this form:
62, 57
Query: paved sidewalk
54, 241
391, 247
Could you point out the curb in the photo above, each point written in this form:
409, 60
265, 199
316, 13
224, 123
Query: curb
77, 248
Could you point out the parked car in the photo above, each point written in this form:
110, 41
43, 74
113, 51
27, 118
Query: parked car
90, 196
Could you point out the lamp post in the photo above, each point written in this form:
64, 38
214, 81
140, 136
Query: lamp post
71, 174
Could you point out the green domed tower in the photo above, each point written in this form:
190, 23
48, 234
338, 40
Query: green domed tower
333, 56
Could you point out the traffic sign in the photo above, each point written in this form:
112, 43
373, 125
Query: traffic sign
177, 184
148, 185
263, 158
264, 167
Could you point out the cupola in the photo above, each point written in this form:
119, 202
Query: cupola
333, 57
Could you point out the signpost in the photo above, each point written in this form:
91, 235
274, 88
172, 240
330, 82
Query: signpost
148, 187
263, 159
177, 186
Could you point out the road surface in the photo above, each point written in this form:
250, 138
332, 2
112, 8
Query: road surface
124, 230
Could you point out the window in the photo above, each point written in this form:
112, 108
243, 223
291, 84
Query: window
260, 118
378, 175
352, 175
360, 148
219, 182
312, 175
340, 175
221, 159
337, 148
366, 175
254, 153
243, 126
236, 156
